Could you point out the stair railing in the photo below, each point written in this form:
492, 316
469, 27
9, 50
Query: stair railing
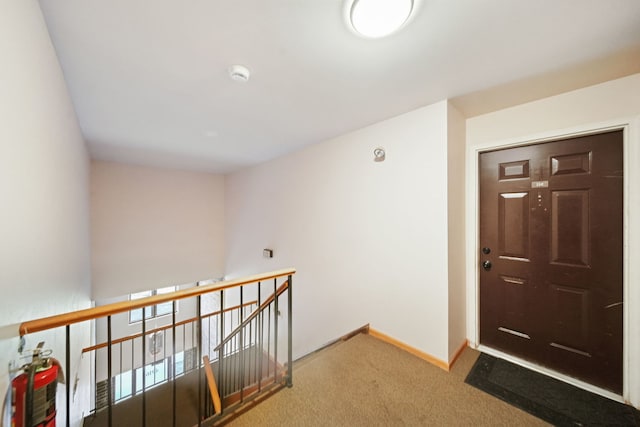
182, 363
236, 325
248, 358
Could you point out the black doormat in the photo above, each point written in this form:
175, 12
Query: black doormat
552, 400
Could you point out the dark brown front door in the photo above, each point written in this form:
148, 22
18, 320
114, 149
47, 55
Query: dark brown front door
551, 255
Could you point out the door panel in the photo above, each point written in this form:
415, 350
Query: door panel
551, 219
571, 164
571, 320
513, 214
570, 227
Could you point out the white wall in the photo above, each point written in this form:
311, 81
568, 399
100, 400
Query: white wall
153, 227
613, 103
369, 240
44, 172
456, 229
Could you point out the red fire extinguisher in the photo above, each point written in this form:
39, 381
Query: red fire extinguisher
33, 402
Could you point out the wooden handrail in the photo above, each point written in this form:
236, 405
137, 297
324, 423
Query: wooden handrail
164, 328
120, 307
213, 389
266, 302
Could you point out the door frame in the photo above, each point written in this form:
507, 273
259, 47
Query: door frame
631, 243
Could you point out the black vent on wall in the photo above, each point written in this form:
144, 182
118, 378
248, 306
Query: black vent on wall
102, 400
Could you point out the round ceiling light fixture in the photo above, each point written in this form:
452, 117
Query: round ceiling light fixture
239, 73
379, 18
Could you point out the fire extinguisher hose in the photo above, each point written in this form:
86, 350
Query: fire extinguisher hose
28, 417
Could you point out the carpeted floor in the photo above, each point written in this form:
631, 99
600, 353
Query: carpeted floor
367, 382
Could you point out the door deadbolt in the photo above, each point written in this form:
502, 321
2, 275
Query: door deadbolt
486, 251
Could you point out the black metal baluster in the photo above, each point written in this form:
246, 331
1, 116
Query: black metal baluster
209, 337
194, 344
153, 350
199, 351
217, 340
256, 322
221, 381
184, 348
290, 332
109, 373
260, 339
247, 359
133, 368
67, 367
255, 348
228, 368
268, 338
231, 353
95, 378
249, 377
234, 371
144, 366
164, 353
120, 366
173, 362
275, 330
241, 361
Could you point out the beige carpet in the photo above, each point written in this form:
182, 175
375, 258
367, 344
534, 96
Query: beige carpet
367, 382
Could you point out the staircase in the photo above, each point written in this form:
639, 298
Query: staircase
195, 371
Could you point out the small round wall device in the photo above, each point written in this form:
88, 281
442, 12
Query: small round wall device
239, 73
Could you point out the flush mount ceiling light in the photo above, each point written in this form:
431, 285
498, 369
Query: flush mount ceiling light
378, 18
239, 73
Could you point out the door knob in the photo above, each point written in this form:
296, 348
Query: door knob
486, 265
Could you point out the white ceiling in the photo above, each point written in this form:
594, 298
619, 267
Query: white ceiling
150, 86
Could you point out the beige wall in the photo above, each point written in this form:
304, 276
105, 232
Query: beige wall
153, 227
44, 175
369, 239
611, 100
614, 103
456, 228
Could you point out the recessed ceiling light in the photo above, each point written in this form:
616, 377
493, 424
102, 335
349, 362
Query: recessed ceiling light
239, 73
379, 18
